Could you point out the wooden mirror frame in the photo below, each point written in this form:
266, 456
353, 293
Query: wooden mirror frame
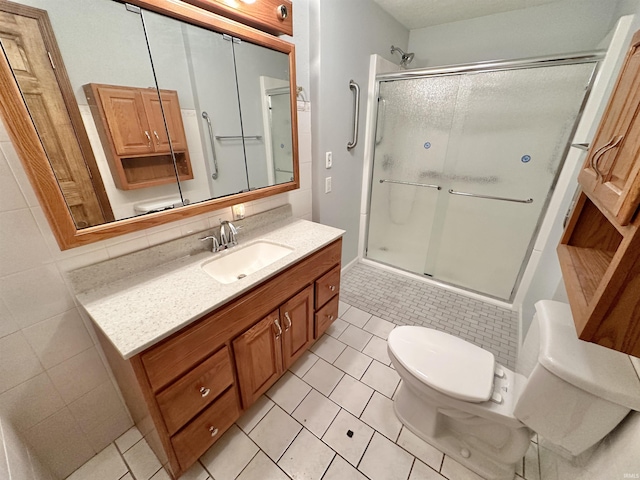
40, 173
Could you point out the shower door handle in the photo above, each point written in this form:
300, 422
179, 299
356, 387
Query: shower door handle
356, 114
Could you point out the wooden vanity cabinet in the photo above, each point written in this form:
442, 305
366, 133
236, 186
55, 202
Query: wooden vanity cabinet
599, 252
188, 389
131, 126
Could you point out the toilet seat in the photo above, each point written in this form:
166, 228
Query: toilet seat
445, 363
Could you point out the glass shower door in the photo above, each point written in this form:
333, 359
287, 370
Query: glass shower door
411, 145
508, 140
499, 134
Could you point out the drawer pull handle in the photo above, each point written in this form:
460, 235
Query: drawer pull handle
148, 138
157, 137
288, 321
332, 288
277, 323
330, 317
204, 391
213, 430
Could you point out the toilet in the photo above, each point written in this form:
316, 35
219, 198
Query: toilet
454, 395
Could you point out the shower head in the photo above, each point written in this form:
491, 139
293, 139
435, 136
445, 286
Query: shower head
406, 57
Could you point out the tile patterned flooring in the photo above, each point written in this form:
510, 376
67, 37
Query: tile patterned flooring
344, 382
406, 301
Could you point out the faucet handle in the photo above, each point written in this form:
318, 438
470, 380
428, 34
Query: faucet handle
215, 246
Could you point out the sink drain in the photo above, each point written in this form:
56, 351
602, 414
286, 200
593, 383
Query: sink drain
242, 275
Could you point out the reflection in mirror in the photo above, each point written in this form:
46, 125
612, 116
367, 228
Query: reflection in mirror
265, 104
97, 111
198, 64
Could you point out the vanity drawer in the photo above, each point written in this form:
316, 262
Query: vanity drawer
180, 402
327, 286
191, 442
326, 316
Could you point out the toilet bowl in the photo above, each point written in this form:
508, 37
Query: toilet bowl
454, 395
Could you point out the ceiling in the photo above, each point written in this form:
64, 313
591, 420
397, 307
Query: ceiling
424, 13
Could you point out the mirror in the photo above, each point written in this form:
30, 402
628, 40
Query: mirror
158, 114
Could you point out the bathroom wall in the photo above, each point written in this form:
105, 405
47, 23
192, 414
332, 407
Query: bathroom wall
54, 386
344, 35
557, 27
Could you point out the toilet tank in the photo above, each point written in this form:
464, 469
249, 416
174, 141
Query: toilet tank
569, 391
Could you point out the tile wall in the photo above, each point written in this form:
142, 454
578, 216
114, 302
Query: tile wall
55, 387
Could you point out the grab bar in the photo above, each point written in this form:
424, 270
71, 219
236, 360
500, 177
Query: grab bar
382, 109
437, 187
504, 199
214, 175
356, 114
237, 137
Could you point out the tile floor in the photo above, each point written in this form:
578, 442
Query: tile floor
405, 301
298, 430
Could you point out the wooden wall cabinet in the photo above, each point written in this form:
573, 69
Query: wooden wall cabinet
600, 250
272, 16
187, 390
132, 130
611, 171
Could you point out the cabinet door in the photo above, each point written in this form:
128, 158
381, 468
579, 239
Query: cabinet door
172, 115
258, 354
297, 320
611, 172
127, 121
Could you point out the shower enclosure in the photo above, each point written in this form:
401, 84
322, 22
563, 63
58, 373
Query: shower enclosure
465, 161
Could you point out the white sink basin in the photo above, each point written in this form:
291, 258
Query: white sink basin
240, 262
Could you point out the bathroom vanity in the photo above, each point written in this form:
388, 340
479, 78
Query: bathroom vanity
190, 354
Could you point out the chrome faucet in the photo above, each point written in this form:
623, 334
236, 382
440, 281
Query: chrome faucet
227, 240
215, 246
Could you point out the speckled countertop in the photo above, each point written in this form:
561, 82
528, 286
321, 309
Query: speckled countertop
137, 311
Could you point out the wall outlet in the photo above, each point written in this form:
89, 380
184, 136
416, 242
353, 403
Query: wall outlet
327, 184
329, 159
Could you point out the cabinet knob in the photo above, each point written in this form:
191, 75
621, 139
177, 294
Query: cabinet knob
213, 430
332, 288
330, 317
204, 391
283, 12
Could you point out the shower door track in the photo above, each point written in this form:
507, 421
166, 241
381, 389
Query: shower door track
498, 65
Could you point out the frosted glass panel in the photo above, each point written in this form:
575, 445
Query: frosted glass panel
500, 134
508, 138
411, 145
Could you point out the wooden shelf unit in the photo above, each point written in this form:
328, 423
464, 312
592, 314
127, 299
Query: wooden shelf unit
131, 126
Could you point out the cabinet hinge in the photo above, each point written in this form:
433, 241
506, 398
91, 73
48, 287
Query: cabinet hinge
53, 65
132, 8
229, 38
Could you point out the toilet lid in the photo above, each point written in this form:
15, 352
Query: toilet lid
446, 363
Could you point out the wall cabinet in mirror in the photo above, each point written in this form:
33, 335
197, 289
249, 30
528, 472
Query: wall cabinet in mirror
174, 64
130, 122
